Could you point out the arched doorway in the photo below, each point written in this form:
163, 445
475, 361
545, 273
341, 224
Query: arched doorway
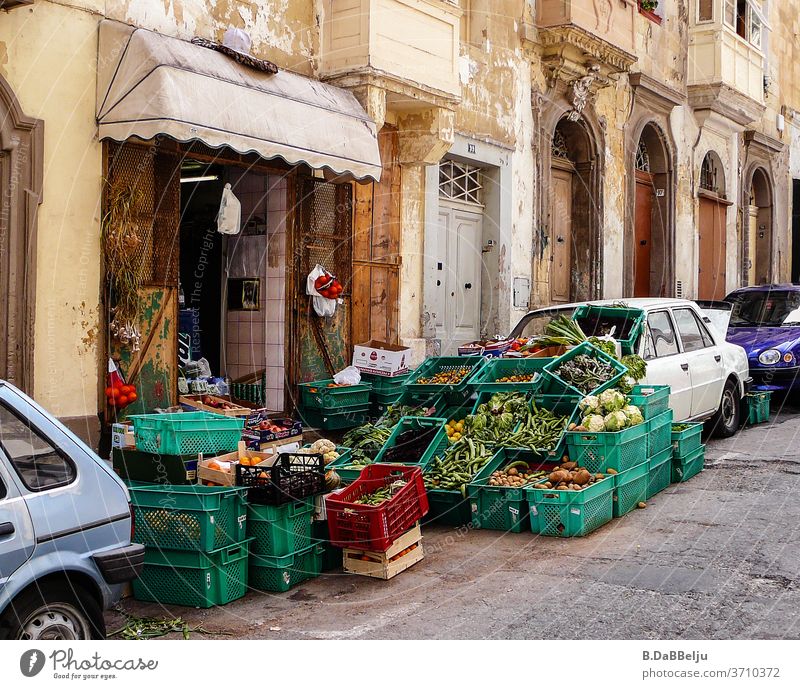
573, 213
757, 245
21, 171
652, 253
711, 229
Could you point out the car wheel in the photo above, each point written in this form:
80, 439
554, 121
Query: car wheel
56, 612
725, 421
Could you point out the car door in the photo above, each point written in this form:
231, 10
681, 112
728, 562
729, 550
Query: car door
666, 363
17, 539
705, 361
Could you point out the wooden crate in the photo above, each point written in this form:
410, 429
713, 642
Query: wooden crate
194, 401
381, 565
228, 478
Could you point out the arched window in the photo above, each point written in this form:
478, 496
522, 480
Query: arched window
559, 147
711, 175
642, 157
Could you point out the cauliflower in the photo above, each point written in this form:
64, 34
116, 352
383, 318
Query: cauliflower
634, 415
594, 423
590, 404
615, 421
322, 446
612, 400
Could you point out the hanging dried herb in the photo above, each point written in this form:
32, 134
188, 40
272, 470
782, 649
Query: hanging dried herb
121, 240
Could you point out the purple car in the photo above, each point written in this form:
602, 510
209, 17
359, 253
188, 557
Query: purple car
765, 320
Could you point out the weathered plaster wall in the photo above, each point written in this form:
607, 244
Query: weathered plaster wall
284, 31
53, 79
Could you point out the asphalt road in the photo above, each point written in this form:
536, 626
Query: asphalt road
716, 557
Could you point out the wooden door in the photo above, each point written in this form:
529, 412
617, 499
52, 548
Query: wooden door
752, 235
643, 235
712, 239
561, 236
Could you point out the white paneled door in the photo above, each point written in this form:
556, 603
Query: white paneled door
457, 276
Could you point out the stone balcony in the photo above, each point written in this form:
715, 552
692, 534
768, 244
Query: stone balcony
408, 48
574, 32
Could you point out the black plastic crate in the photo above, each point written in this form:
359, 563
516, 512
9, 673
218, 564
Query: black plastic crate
293, 477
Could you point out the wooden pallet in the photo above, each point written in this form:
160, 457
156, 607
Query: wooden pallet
194, 401
380, 565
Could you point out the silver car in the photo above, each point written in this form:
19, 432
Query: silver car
65, 528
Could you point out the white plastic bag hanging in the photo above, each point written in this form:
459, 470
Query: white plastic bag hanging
323, 306
229, 217
348, 376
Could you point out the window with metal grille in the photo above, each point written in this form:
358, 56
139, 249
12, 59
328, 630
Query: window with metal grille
460, 182
559, 147
708, 175
642, 157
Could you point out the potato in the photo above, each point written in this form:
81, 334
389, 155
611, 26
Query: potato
558, 475
582, 477
569, 466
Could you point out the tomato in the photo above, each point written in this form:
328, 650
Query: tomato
127, 389
112, 402
122, 400
108, 391
115, 392
133, 396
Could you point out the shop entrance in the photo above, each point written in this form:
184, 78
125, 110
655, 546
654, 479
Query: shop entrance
796, 230
758, 263
233, 286
458, 259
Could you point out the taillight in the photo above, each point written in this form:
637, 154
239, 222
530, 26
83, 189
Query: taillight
133, 522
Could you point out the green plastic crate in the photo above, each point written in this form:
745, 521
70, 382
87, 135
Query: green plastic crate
758, 407
552, 384
568, 513
686, 440
659, 435
683, 468
346, 471
386, 398
437, 446
133, 465
186, 433
599, 452
498, 508
319, 397
282, 573
337, 420
386, 384
279, 530
630, 488
201, 518
659, 469
331, 555
629, 323
448, 507
433, 365
652, 400
192, 578
485, 380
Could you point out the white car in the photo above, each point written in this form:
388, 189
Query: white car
708, 376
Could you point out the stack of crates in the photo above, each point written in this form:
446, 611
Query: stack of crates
688, 451
196, 545
653, 400
284, 552
386, 390
333, 408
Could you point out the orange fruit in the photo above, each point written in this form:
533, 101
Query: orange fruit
213, 465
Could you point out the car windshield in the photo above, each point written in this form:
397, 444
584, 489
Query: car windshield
533, 324
765, 309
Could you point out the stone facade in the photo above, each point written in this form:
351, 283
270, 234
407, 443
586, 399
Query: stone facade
522, 76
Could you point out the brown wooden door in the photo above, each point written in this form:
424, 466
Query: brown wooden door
643, 235
711, 230
561, 236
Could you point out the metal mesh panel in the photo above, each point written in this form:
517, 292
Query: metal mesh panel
326, 223
155, 176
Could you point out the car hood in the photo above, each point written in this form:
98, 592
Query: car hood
757, 339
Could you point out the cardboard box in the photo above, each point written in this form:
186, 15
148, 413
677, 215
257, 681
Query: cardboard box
259, 439
122, 436
228, 478
381, 358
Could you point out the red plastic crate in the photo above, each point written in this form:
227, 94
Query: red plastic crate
376, 527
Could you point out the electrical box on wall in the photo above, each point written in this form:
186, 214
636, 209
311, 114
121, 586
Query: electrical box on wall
522, 293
